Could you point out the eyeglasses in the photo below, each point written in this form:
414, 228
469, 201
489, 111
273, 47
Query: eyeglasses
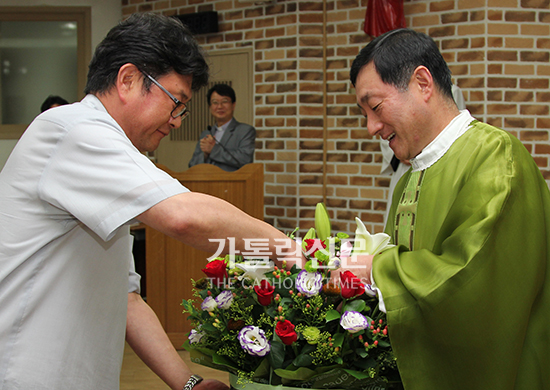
219, 103
180, 109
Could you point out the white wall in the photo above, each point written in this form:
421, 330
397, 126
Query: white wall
105, 14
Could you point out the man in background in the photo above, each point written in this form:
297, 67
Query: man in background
52, 101
466, 289
229, 144
74, 183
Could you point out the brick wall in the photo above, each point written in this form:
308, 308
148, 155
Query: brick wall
311, 137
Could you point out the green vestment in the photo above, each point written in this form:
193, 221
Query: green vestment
469, 307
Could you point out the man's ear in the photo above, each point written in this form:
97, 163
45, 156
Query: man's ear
129, 81
423, 81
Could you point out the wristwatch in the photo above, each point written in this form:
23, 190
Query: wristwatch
192, 382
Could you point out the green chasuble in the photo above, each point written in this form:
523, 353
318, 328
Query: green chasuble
469, 306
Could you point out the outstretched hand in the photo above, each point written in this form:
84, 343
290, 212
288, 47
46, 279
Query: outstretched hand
360, 266
211, 384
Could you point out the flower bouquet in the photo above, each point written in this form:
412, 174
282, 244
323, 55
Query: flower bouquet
296, 327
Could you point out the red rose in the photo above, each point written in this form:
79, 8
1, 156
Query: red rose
217, 271
265, 292
285, 331
313, 245
350, 285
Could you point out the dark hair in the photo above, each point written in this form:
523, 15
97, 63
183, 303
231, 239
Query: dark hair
222, 90
397, 53
51, 100
155, 44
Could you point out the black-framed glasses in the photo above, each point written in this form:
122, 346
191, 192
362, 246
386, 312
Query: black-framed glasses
180, 109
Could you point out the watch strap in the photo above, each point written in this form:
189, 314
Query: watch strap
192, 382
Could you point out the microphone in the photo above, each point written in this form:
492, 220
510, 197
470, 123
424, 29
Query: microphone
211, 131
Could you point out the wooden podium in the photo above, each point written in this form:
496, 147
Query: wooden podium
170, 265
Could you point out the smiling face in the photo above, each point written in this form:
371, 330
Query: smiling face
222, 108
392, 114
149, 120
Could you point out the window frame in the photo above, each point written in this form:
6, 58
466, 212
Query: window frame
81, 15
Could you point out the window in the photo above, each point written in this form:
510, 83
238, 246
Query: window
43, 51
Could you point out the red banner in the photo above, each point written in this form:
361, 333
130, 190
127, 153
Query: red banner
383, 16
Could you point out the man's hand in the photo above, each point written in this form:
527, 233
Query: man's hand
211, 384
360, 266
206, 144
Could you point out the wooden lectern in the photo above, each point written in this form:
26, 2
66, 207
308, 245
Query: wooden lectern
170, 265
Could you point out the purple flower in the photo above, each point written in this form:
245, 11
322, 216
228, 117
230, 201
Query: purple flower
309, 283
353, 321
209, 304
224, 299
253, 341
370, 290
195, 336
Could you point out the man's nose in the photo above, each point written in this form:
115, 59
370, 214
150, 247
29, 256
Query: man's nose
174, 122
374, 125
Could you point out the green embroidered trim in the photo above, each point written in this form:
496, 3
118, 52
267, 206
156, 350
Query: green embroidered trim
405, 215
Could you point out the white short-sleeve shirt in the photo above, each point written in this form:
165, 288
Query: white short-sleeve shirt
68, 193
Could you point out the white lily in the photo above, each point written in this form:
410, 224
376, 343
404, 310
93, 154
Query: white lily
369, 244
255, 270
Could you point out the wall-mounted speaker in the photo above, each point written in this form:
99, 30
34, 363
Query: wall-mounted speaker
201, 22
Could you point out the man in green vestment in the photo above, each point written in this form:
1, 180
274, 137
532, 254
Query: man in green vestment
466, 287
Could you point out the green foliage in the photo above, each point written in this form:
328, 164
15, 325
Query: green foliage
323, 355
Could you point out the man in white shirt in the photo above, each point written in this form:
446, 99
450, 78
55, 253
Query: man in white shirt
73, 185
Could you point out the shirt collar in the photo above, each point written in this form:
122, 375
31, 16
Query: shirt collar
439, 146
223, 127
93, 101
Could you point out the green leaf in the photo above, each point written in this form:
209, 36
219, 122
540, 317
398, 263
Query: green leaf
303, 360
321, 255
333, 315
364, 364
277, 354
362, 352
187, 305
209, 327
355, 305
338, 339
308, 348
357, 374
263, 369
